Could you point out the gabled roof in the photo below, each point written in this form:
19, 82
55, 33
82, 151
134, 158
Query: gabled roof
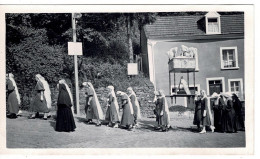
188, 26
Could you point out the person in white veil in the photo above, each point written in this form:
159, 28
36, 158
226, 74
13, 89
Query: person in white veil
42, 99
164, 119
127, 119
207, 113
112, 114
93, 108
65, 120
47, 93
135, 104
13, 95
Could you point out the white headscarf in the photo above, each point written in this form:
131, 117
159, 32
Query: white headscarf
128, 100
112, 92
227, 96
166, 107
62, 81
216, 97
47, 91
99, 110
11, 77
136, 102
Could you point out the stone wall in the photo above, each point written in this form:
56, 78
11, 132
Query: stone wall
144, 93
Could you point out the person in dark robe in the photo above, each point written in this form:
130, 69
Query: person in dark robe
218, 106
157, 109
41, 102
197, 113
238, 113
206, 112
229, 122
135, 104
65, 120
127, 119
93, 109
164, 119
112, 114
13, 97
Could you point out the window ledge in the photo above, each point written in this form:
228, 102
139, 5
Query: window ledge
212, 33
230, 68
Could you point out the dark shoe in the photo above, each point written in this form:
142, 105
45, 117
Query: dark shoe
49, 116
157, 128
44, 118
12, 116
30, 117
37, 115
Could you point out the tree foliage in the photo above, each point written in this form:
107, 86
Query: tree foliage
37, 44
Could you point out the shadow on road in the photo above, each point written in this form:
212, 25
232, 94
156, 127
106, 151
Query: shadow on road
183, 129
52, 124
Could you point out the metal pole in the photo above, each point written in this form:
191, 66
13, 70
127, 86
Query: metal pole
75, 63
194, 85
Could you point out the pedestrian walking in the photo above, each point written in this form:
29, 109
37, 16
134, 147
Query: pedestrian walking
218, 106
41, 102
135, 104
127, 119
93, 109
157, 108
65, 120
164, 119
238, 112
112, 114
197, 120
229, 120
13, 97
207, 117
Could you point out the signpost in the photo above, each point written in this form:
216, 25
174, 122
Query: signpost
132, 69
75, 48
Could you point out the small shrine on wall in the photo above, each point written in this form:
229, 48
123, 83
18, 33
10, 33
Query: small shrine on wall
184, 61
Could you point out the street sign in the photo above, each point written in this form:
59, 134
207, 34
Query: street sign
132, 69
75, 48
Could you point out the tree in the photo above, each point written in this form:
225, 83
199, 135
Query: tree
139, 20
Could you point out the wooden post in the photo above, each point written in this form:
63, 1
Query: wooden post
75, 63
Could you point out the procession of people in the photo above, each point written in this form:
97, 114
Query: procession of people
224, 114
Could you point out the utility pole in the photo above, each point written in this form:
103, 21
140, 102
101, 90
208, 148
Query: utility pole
75, 63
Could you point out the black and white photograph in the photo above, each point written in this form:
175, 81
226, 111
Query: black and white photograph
168, 78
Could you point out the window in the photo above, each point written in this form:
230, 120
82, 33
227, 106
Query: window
212, 23
228, 58
236, 86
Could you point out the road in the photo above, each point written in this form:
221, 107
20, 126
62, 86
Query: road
38, 133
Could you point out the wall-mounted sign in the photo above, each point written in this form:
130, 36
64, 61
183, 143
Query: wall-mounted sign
75, 48
132, 69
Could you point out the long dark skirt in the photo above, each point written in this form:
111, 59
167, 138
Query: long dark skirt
65, 120
127, 117
197, 117
218, 120
228, 121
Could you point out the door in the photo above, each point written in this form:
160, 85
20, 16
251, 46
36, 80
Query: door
215, 86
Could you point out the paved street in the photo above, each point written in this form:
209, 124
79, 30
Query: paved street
38, 133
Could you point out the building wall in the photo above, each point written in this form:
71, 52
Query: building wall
209, 63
